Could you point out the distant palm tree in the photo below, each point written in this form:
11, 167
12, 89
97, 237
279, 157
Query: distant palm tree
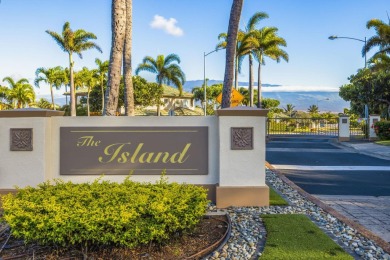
85, 78
52, 76
167, 71
101, 76
289, 110
234, 21
73, 42
381, 39
268, 44
21, 93
313, 110
127, 65
44, 104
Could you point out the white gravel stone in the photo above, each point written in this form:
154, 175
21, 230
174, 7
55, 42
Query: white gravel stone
248, 232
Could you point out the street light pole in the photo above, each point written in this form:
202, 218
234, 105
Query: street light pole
204, 78
334, 37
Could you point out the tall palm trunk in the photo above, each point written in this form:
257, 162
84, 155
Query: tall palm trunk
102, 89
236, 74
52, 96
234, 21
88, 109
129, 90
158, 100
259, 84
118, 26
250, 80
72, 89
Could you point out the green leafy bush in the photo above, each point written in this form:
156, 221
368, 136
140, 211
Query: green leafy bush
382, 130
103, 213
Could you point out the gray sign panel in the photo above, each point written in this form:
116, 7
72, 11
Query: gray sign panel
133, 150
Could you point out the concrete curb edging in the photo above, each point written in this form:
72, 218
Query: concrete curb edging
361, 229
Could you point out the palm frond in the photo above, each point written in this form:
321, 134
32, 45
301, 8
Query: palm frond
255, 19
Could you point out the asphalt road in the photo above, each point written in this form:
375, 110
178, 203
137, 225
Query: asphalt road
321, 167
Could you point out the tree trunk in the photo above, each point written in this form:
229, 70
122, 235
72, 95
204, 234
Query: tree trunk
234, 21
236, 73
250, 80
52, 96
102, 89
72, 90
118, 25
88, 109
259, 85
129, 90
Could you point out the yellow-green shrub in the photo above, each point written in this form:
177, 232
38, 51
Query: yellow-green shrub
103, 212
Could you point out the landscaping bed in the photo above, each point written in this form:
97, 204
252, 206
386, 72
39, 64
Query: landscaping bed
202, 241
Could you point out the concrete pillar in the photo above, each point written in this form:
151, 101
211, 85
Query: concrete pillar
25, 140
371, 122
344, 134
242, 134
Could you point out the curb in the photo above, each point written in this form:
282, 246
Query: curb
361, 229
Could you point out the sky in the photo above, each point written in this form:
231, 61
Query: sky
190, 28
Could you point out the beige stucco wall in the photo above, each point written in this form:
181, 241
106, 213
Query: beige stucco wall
242, 167
23, 168
344, 131
211, 122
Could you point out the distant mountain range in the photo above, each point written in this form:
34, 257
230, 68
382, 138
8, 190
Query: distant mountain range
190, 84
326, 100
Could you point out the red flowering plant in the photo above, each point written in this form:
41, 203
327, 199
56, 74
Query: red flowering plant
382, 130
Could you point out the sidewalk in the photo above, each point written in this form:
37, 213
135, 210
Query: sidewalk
372, 149
371, 212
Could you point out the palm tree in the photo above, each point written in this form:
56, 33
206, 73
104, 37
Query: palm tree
289, 110
101, 76
167, 71
127, 67
85, 78
118, 28
313, 110
4, 101
381, 39
73, 42
21, 93
267, 45
380, 62
234, 21
247, 48
44, 104
52, 76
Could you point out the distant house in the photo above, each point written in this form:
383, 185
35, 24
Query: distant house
170, 98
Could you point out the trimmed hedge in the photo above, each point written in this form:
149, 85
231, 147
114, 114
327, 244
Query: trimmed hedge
382, 130
103, 213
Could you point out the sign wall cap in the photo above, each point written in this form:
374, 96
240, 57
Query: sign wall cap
31, 112
242, 111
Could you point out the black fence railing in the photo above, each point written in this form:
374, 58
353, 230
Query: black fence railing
302, 126
359, 130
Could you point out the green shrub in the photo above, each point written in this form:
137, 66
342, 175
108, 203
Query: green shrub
382, 130
103, 213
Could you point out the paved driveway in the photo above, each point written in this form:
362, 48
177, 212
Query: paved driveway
356, 185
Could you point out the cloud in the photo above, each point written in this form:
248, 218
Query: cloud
167, 25
295, 88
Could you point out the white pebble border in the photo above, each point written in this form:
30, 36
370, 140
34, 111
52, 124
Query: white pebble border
248, 233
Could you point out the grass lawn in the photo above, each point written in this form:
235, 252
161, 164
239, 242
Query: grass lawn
296, 237
275, 199
386, 143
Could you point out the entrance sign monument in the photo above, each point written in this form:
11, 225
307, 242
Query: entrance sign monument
223, 153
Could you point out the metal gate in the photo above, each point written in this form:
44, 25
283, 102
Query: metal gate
359, 130
302, 126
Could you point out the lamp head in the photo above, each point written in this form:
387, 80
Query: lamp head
332, 37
